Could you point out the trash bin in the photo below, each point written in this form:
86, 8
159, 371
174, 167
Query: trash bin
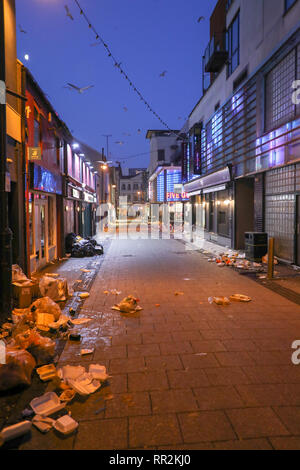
256, 245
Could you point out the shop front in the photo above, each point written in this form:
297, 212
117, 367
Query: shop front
89, 214
42, 216
72, 210
212, 199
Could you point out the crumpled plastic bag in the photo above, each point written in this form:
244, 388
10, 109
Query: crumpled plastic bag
18, 274
128, 305
45, 305
17, 370
55, 288
42, 349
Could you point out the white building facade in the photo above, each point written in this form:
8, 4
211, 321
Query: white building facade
242, 161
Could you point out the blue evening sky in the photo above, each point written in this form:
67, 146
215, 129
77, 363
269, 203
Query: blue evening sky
147, 36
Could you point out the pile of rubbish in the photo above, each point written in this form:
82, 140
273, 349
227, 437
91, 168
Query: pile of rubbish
82, 247
68, 381
238, 261
128, 305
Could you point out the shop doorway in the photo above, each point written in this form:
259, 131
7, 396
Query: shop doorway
41, 232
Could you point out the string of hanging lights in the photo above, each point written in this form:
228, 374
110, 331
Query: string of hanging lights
118, 65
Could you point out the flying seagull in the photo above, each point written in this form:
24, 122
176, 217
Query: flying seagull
163, 74
125, 109
68, 13
80, 90
22, 30
200, 19
119, 142
139, 131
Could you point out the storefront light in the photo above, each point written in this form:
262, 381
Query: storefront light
227, 202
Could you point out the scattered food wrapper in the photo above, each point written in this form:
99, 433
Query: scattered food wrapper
80, 321
178, 293
86, 352
84, 295
67, 395
43, 424
240, 298
98, 372
47, 372
65, 425
219, 300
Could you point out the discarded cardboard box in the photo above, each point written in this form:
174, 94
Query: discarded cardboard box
22, 292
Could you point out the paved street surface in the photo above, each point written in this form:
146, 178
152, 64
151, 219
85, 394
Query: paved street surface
186, 374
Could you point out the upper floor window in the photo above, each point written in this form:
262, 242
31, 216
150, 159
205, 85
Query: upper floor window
161, 155
233, 45
129, 187
288, 4
123, 187
135, 186
280, 108
57, 146
37, 129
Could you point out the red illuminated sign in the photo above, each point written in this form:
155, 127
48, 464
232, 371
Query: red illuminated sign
177, 196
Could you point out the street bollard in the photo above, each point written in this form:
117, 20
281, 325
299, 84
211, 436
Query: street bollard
271, 259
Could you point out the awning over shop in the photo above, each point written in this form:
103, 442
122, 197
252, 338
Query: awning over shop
210, 183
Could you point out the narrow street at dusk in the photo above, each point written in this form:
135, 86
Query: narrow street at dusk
149, 229
184, 374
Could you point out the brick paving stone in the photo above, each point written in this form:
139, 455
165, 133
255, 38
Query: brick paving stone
189, 335
132, 364
198, 446
163, 362
177, 347
190, 378
128, 404
247, 444
205, 426
104, 434
173, 401
148, 380
227, 376
218, 398
285, 443
256, 422
207, 346
240, 345
137, 350
290, 416
233, 358
194, 361
155, 430
126, 339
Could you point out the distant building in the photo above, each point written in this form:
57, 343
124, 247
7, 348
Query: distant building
134, 186
165, 169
